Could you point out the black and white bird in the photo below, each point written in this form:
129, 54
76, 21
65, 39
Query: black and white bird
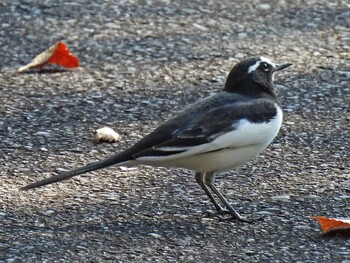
216, 134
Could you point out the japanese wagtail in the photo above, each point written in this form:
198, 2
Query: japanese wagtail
215, 134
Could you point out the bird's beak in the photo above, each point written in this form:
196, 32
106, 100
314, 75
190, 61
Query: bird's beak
282, 66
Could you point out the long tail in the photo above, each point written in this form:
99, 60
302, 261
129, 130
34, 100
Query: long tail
113, 160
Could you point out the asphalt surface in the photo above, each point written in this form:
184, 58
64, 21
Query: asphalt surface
141, 62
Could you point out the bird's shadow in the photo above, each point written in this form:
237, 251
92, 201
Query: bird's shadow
43, 71
124, 231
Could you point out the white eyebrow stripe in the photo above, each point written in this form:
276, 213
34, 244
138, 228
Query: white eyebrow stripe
257, 64
253, 67
268, 61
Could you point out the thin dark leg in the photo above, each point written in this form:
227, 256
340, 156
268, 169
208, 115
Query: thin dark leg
200, 180
209, 181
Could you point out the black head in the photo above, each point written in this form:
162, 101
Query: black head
253, 77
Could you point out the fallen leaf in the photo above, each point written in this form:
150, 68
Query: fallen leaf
331, 224
106, 134
56, 54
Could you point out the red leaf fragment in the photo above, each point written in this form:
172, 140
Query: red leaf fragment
56, 54
63, 57
331, 224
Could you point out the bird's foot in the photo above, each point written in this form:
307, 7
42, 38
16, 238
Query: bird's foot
226, 215
218, 213
249, 220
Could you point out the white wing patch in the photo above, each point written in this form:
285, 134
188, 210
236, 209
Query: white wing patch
173, 148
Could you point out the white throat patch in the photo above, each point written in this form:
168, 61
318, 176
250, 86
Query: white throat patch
257, 64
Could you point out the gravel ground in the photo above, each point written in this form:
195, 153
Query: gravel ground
142, 61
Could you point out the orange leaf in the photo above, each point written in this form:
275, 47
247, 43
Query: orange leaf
56, 54
63, 57
329, 224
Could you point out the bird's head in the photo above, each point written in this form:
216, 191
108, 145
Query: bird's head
253, 77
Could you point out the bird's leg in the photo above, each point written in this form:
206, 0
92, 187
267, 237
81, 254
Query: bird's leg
200, 180
209, 181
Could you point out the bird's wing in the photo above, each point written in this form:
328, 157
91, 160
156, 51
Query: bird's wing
204, 133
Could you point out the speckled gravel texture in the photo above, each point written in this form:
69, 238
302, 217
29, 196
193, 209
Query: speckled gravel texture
141, 62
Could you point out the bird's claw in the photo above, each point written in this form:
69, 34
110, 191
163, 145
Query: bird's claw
241, 219
232, 217
217, 213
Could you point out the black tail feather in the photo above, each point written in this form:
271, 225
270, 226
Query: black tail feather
114, 160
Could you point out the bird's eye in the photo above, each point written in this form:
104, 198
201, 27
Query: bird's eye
264, 66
